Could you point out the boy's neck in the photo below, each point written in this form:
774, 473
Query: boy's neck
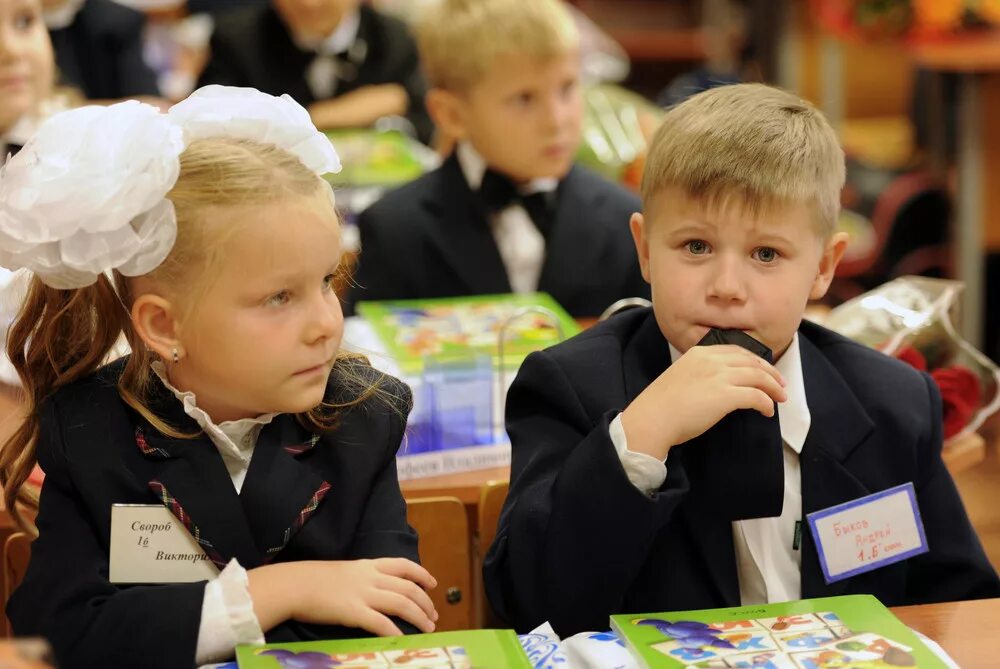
474, 166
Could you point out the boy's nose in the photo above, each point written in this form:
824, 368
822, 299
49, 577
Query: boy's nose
728, 282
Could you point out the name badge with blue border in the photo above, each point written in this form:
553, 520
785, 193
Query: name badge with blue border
867, 533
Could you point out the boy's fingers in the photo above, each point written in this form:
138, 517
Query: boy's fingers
758, 378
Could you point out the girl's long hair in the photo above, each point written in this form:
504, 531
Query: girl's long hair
60, 336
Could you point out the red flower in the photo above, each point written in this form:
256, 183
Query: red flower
912, 357
961, 394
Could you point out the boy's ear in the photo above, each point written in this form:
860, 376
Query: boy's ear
833, 251
155, 321
638, 227
447, 110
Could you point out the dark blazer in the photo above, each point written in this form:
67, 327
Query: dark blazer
253, 47
101, 52
96, 452
431, 238
577, 541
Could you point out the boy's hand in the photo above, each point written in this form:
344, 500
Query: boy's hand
354, 593
695, 393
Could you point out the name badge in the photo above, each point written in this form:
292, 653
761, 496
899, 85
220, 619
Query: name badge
149, 545
868, 533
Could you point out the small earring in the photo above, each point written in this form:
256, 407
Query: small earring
177, 357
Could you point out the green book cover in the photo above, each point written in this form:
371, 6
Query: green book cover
447, 328
373, 158
848, 632
475, 649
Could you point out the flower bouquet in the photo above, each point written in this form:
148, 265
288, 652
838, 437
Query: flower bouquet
910, 20
911, 318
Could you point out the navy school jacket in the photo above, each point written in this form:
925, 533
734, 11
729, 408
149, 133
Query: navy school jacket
335, 498
578, 542
432, 238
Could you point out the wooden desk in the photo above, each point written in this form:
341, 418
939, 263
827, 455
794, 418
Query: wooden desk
966, 630
959, 454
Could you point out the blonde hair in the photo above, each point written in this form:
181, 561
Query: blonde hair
758, 144
60, 336
460, 40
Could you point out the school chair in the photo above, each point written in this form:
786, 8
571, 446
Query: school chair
624, 304
16, 553
443, 528
491, 500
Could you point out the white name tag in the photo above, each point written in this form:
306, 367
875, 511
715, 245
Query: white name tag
149, 545
868, 533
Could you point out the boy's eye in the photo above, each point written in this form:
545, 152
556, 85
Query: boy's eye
278, 299
766, 254
524, 98
696, 247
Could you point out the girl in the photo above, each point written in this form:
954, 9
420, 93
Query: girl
235, 411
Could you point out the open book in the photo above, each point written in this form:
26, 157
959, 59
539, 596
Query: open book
849, 632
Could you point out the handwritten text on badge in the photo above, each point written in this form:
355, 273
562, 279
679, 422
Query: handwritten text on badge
868, 533
149, 545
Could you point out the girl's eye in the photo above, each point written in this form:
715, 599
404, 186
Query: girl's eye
696, 247
765, 254
278, 299
24, 21
328, 281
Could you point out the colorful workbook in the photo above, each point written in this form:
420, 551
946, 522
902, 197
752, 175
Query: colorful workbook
848, 632
475, 649
414, 330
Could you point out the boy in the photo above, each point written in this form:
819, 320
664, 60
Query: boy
507, 211
605, 514
348, 64
26, 71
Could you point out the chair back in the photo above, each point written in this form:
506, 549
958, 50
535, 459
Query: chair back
16, 553
491, 501
443, 528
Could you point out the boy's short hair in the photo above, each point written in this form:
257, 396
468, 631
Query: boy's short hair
459, 40
757, 143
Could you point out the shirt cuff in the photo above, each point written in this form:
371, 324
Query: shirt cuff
644, 471
227, 617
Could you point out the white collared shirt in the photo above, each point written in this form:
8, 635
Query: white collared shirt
521, 244
769, 567
323, 72
227, 615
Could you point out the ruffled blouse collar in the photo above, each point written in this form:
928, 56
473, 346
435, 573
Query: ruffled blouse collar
235, 439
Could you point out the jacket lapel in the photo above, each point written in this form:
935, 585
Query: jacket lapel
839, 424
189, 477
461, 232
570, 245
646, 356
281, 492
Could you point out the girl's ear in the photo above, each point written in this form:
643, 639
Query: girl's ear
155, 319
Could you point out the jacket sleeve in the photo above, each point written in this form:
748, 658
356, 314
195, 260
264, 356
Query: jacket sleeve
382, 262
574, 532
66, 596
383, 530
956, 567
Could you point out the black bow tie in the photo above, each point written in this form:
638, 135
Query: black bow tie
498, 192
